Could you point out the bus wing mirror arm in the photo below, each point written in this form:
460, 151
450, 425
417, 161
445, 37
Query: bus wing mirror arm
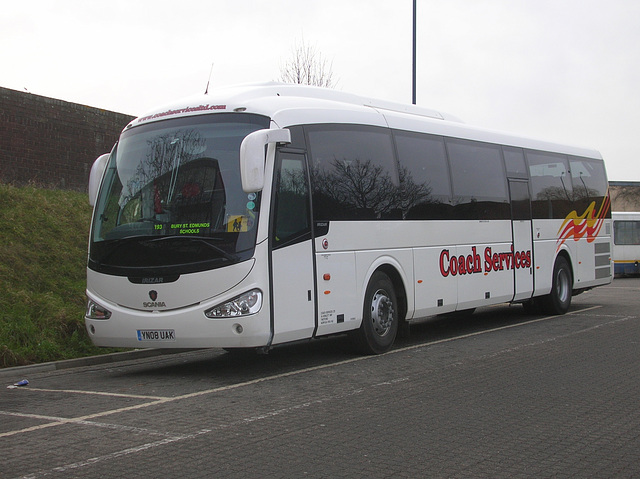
252, 156
95, 177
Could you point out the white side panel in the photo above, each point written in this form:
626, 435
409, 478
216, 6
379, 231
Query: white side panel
627, 253
435, 293
543, 257
429, 289
585, 269
545, 245
493, 283
293, 303
523, 251
339, 308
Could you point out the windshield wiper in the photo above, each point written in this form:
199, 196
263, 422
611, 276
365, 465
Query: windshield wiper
115, 245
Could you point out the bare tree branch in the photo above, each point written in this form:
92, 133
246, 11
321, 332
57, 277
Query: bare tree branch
307, 66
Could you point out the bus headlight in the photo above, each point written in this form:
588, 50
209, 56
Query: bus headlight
243, 305
95, 311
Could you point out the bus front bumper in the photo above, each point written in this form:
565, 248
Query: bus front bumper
183, 329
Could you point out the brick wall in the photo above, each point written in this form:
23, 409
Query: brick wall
50, 142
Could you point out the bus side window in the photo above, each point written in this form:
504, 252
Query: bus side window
424, 176
479, 181
514, 161
291, 219
353, 172
551, 190
589, 182
626, 232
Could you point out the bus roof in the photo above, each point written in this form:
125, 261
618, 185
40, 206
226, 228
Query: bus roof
626, 215
289, 104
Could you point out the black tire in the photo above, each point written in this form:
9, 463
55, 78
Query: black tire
559, 299
379, 317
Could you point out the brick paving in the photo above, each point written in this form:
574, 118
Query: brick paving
499, 394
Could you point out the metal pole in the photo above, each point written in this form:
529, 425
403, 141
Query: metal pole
414, 52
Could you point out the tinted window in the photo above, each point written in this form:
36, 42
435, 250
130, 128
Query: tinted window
520, 200
424, 176
297, 137
550, 185
589, 183
353, 173
291, 218
479, 184
514, 161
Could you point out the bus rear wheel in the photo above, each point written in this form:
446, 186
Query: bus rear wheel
379, 318
559, 299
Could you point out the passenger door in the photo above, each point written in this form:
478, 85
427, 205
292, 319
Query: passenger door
522, 238
292, 267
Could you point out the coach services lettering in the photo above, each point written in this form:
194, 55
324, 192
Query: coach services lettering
472, 263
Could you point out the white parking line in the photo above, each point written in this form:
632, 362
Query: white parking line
96, 393
117, 454
119, 427
171, 438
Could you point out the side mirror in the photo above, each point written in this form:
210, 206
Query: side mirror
95, 177
252, 156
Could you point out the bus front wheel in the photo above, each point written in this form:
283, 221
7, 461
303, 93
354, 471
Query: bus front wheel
379, 318
559, 299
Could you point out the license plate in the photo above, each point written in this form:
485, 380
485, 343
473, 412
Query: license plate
156, 335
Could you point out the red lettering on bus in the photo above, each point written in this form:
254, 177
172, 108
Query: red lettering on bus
461, 265
477, 267
472, 263
444, 254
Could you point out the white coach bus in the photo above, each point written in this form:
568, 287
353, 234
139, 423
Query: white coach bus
626, 243
266, 214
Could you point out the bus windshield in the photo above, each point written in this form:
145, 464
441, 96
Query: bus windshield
172, 201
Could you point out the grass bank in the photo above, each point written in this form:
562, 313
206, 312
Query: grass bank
43, 250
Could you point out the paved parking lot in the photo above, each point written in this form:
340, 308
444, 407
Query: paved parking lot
500, 394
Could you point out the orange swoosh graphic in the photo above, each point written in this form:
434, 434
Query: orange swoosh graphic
588, 223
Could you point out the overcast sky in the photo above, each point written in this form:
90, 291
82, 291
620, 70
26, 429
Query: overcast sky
561, 70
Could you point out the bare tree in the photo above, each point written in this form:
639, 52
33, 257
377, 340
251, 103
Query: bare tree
307, 66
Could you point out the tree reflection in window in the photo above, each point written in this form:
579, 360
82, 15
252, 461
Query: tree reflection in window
550, 184
166, 153
291, 203
351, 189
174, 182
